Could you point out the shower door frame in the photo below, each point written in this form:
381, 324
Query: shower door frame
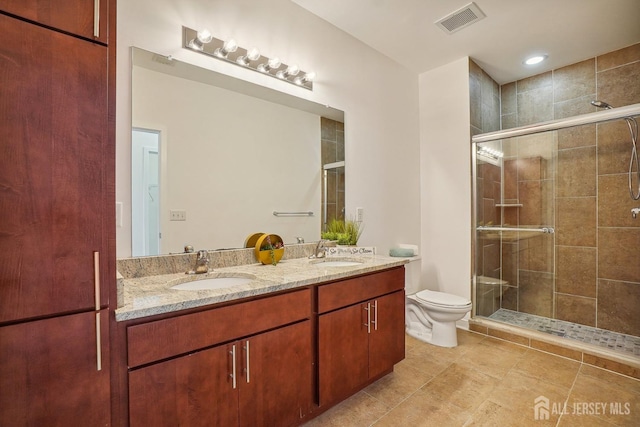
569, 122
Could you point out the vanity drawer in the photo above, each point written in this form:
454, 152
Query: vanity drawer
161, 339
351, 291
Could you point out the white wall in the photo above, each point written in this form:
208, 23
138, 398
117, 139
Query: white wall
379, 97
445, 164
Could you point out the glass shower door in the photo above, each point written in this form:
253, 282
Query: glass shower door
515, 217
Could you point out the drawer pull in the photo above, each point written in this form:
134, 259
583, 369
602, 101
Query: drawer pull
98, 343
233, 365
246, 348
96, 278
375, 315
368, 324
96, 18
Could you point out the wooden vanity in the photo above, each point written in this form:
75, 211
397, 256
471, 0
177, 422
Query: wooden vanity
278, 359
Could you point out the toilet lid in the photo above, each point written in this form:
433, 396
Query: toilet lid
442, 298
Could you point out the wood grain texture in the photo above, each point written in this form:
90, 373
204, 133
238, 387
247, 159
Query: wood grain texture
149, 342
75, 17
53, 101
343, 352
350, 291
48, 372
386, 343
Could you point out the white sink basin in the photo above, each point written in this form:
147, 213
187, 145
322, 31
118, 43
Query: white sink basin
328, 262
212, 283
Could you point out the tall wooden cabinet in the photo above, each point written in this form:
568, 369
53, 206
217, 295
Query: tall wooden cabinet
57, 225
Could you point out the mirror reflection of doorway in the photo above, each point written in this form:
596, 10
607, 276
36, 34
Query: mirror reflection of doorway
145, 192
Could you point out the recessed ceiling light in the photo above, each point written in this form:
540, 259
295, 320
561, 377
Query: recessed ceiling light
535, 59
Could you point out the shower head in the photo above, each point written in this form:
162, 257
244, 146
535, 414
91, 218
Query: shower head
601, 104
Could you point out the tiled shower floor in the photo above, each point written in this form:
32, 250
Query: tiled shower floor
622, 343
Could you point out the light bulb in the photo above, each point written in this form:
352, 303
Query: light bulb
230, 46
306, 78
253, 54
271, 64
274, 62
204, 36
292, 70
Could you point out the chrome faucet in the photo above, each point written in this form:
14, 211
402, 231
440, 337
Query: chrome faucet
321, 250
635, 212
202, 262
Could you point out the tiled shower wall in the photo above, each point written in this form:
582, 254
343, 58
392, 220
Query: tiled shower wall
332, 135
485, 117
581, 188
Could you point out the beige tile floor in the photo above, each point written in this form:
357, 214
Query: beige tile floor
488, 382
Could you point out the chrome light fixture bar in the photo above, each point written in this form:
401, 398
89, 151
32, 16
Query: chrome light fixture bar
229, 51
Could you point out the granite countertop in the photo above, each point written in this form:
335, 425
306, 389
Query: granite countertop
150, 295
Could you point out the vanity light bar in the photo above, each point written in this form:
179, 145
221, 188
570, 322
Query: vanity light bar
229, 51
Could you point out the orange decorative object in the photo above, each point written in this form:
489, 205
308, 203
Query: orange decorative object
269, 249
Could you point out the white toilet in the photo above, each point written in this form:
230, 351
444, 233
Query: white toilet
431, 316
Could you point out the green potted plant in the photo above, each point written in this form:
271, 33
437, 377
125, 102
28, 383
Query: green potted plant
345, 232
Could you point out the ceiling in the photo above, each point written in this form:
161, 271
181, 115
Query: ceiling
568, 31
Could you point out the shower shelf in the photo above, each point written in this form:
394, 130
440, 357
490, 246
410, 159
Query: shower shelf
509, 205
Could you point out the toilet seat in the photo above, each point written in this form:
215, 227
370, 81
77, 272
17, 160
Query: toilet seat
441, 299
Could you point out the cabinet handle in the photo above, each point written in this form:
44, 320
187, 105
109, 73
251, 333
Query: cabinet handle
96, 278
368, 324
233, 365
98, 343
246, 349
96, 18
375, 315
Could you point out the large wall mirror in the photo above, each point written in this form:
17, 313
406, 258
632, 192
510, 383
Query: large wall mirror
213, 157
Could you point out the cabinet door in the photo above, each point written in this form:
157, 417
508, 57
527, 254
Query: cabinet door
73, 16
192, 390
276, 390
49, 372
342, 352
53, 104
386, 341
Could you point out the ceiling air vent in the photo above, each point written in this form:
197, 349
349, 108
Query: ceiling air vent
460, 19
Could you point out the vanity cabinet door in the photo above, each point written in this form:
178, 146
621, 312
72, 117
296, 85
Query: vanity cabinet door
53, 104
276, 389
263, 380
386, 340
359, 343
192, 390
342, 352
49, 372
77, 17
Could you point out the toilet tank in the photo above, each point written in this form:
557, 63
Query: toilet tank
412, 275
